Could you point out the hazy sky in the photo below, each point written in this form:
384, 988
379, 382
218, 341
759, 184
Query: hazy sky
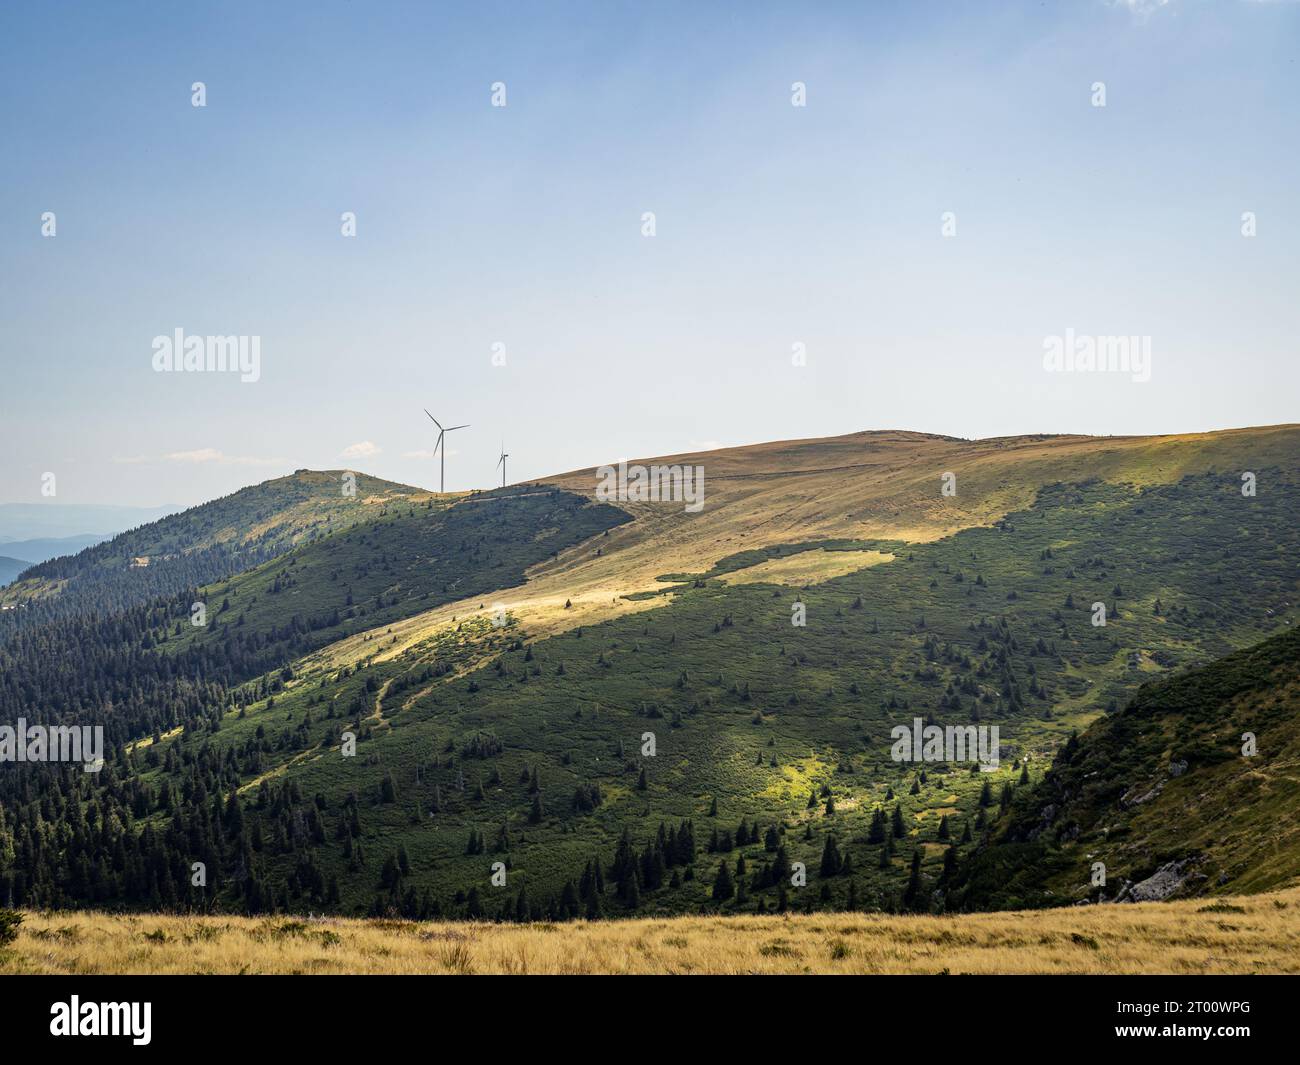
521, 225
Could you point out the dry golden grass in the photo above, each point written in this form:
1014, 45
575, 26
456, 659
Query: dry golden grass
882, 485
1244, 934
865, 485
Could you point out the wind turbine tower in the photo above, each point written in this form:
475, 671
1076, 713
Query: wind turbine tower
442, 446
502, 463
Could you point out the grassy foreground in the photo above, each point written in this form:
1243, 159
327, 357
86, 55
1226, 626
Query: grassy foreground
1243, 934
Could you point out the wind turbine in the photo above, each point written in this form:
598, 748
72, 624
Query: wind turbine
502, 463
442, 482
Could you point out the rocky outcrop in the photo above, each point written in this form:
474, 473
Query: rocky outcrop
1165, 882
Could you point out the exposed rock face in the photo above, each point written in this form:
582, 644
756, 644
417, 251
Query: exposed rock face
1045, 816
1161, 884
1177, 769
1129, 799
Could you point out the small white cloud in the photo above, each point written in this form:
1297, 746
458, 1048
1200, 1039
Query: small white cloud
367, 449
203, 454
211, 454
1140, 8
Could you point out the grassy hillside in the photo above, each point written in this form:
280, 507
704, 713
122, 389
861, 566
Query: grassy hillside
203, 543
522, 736
405, 560
1165, 785
535, 759
1247, 934
864, 486
180, 661
886, 485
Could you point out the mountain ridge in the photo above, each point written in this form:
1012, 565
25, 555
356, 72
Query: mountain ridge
213, 539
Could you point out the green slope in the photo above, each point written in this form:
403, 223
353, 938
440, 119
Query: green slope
1164, 787
458, 765
207, 542
407, 559
479, 744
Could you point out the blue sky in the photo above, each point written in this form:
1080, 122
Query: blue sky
521, 225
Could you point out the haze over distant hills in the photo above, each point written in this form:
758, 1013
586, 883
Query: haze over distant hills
42, 550
31, 533
53, 520
10, 568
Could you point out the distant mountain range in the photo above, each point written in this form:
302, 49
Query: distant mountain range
31, 533
44, 549
10, 568
45, 521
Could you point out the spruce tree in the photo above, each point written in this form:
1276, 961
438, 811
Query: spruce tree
912, 895
831, 861
723, 888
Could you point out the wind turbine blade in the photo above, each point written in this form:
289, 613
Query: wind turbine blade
456, 427
501, 460
438, 444
434, 420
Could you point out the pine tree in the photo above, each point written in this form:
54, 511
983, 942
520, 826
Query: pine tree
723, 888
912, 896
949, 864
876, 834
831, 861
